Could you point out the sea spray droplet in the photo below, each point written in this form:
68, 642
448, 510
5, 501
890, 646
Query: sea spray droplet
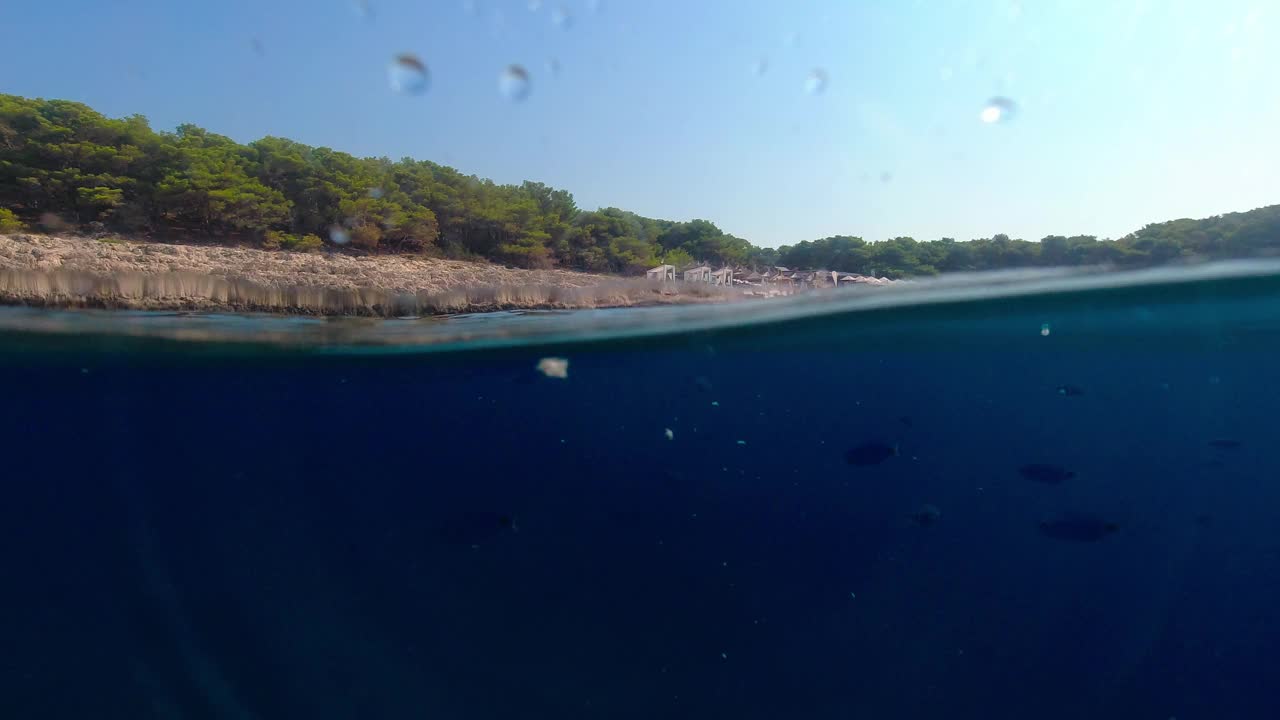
561, 17
408, 75
338, 235
816, 82
513, 83
998, 110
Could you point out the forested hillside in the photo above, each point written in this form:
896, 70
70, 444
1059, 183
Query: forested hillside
62, 162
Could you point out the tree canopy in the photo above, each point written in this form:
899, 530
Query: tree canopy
63, 162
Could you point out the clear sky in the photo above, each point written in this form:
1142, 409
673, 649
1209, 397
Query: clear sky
1127, 111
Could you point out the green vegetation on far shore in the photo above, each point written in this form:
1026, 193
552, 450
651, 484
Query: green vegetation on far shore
61, 161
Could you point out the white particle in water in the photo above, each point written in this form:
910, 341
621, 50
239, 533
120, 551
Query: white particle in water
1044, 330
742, 442
338, 235
998, 110
554, 367
561, 17
513, 83
816, 82
408, 75
670, 435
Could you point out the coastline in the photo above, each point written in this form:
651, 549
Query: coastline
64, 271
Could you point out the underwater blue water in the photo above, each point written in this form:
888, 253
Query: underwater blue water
270, 533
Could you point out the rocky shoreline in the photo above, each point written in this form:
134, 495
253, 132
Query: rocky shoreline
72, 271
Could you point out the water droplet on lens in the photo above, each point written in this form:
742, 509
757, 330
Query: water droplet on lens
375, 193
513, 83
408, 75
561, 17
553, 66
816, 82
998, 110
760, 67
339, 235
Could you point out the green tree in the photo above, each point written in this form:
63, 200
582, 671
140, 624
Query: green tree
9, 222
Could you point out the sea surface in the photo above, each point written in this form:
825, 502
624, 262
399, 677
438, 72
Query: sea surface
1049, 496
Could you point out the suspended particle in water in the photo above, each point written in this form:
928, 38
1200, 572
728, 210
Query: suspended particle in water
791, 39
593, 6
561, 18
470, 7
1044, 330
256, 45
945, 73
816, 82
553, 66
408, 75
760, 67
338, 235
554, 367
363, 9
668, 432
375, 193
886, 177
535, 5
998, 110
513, 83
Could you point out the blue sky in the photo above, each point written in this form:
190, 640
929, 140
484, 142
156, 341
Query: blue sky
1128, 111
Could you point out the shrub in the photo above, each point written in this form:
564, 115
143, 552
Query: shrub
305, 243
9, 222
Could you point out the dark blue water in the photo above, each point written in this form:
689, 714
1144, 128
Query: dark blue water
193, 534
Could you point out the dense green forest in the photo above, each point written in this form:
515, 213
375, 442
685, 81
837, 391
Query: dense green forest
62, 162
